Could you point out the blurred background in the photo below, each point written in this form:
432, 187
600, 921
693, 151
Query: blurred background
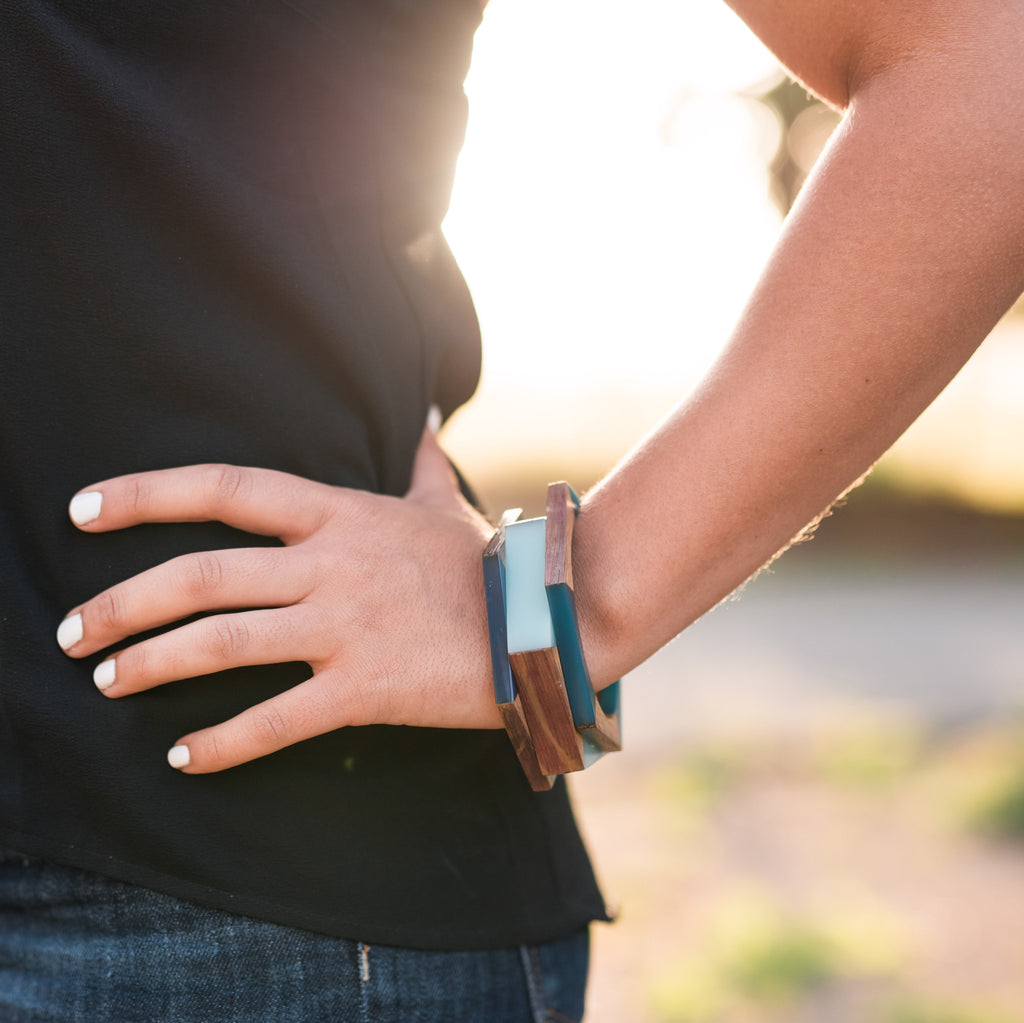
819, 814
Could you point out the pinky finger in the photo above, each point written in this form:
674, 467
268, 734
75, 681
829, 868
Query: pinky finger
299, 713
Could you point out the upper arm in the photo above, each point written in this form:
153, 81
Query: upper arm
836, 46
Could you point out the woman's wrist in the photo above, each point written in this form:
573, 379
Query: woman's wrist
602, 625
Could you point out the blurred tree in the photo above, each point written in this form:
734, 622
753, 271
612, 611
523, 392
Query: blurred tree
805, 125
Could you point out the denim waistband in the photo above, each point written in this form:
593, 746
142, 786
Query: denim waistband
78, 946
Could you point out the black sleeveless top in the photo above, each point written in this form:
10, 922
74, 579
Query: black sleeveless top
220, 241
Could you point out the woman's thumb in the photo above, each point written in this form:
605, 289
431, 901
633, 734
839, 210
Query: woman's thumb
433, 478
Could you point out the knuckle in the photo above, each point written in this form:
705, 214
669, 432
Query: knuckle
133, 665
269, 727
320, 628
229, 636
330, 503
373, 701
137, 495
213, 750
228, 483
200, 574
108, 610
358, 506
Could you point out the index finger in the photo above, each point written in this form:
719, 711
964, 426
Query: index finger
261, 501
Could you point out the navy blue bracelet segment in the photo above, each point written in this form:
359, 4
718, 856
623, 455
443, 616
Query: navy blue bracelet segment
494, 594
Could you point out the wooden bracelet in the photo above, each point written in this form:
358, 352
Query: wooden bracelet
596, 716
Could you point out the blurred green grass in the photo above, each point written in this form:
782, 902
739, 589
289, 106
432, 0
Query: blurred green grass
762, 960
751, 913
923, 1011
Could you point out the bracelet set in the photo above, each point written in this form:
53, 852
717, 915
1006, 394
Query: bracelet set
542, 686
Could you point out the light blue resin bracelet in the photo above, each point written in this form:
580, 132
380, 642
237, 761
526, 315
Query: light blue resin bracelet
540, 673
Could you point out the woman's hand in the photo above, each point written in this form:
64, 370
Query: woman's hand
382, 596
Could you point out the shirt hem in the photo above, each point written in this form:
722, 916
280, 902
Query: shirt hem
338, 925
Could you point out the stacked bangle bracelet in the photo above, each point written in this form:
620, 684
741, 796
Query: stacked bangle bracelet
542, 687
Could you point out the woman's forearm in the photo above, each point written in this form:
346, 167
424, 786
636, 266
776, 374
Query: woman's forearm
904, 249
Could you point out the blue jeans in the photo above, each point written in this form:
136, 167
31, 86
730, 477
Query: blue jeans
75, 946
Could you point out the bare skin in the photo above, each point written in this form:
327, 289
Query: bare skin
906, 246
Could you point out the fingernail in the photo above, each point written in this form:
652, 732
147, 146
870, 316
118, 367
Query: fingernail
85, 507
178, 756
434, 420
69, 632
105, 674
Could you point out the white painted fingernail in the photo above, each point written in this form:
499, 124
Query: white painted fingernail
178, 756
69, 632
105, 674
434, 419
85, 507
